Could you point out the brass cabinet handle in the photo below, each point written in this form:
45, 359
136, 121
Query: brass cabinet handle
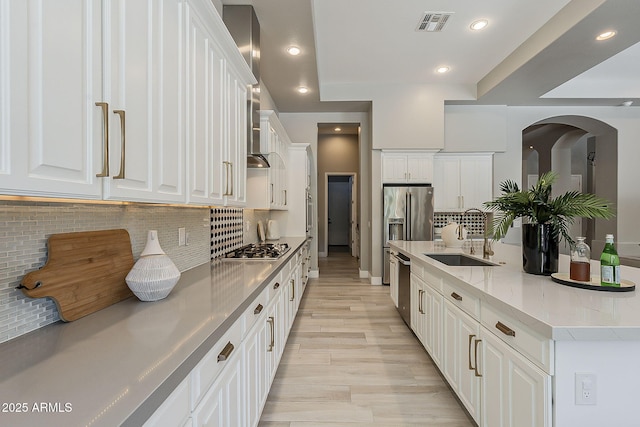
271, 322
285, 197
478, 374
420, 303
276, 286
471, 368
456, 296
231, 180
226, 177
272, 193
505, 329
105, 139
293, 290
121, 113
258, 309
226, 352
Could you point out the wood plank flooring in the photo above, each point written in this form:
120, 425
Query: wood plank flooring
351, 361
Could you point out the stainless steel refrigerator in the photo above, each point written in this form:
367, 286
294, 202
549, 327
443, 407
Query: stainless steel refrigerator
408, 215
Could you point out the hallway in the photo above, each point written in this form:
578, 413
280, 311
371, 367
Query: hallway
351, 361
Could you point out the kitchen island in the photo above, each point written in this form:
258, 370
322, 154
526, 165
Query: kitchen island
118, 365
513, 343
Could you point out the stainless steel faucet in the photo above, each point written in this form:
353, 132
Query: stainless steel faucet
486, 247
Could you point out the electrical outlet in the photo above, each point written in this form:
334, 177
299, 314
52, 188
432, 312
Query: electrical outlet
586, 390
182, 236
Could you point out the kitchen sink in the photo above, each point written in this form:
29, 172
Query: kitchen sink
460, 260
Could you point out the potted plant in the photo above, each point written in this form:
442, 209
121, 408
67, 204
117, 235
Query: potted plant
548, 218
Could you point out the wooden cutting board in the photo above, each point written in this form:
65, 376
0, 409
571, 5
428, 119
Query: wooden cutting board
84, 273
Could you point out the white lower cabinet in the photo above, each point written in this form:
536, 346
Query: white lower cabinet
515, 391
221, 405
460, 359
393, 279
499, 369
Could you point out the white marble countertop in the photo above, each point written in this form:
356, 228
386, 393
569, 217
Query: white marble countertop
556, 311
116, 366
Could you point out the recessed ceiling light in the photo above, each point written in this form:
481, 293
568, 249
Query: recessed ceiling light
479, 24
303, 89
293, 50
338, 129
442, 70
606, 35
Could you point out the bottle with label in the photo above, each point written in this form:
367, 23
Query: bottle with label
580, 266
609, 264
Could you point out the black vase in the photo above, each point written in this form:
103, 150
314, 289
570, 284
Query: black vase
539, 249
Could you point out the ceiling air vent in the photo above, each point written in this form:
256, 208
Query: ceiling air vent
431, 22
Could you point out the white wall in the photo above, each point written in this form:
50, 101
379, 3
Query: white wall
508, 164
471, 128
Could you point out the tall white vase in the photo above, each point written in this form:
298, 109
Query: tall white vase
154, 275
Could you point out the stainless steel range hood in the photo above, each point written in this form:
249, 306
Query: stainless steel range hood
242, 23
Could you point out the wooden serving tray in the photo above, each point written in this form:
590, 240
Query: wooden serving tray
594, 284
84, 272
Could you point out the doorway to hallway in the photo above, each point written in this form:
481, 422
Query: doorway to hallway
341, 233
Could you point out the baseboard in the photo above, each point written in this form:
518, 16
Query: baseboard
364, 274
322, 254
314, 274
376, 281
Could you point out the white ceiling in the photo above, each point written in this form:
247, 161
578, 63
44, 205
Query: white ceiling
530, 48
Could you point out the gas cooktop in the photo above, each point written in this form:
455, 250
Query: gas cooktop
260, 251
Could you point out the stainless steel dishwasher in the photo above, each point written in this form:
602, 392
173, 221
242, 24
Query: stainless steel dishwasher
404, 287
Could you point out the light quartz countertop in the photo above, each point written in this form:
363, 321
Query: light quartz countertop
116, 366
554, 310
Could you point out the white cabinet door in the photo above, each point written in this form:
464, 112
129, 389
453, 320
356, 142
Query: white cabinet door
144, 81
255, 370
476, 180
433, 329
236, 163
420, 168
51, 66
418, 314
175, 410
514, 391
394, 168
446, 183
462, 181
222, 404
460, 335
205, 83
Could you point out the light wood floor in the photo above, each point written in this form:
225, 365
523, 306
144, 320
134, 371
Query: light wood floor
351, 361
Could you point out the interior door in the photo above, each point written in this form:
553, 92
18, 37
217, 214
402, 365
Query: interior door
339, 216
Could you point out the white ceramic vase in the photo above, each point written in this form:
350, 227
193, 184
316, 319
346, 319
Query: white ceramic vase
154, 275
451, 235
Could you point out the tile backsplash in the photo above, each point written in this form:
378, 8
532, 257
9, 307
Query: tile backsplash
26, 226
473, 221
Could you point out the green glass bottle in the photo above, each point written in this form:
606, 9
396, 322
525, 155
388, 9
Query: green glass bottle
609, 264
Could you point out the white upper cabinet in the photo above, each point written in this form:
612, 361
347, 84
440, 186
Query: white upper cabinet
407, 167
217, 82
462, 181
268, 189
145, 83
122, 100
51, 65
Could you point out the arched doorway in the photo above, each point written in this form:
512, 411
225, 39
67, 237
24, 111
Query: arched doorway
583, 151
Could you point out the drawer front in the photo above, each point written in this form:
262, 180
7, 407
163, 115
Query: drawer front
275, 287
520, 337
462, 299
212, 364
175, 410
257, 308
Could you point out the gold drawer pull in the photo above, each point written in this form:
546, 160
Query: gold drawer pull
478, 374
258, 309
293, 290
271, 322
226, 352
505, 329
471, 368
456, 296
276, 286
